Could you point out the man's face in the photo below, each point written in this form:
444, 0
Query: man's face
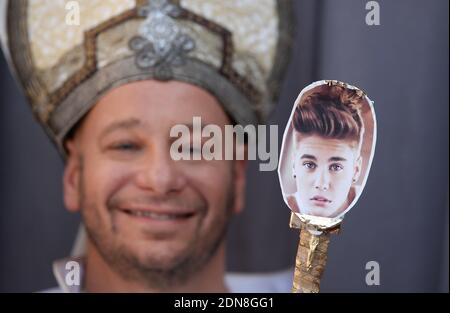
145, 213
325, 170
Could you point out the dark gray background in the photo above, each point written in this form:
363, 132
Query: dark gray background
401, 219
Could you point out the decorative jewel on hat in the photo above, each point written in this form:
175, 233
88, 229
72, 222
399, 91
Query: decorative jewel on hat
162, 43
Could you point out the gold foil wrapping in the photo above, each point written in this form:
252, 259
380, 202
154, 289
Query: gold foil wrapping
310, 262
311, 257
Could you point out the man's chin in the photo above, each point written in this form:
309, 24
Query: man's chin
162, 255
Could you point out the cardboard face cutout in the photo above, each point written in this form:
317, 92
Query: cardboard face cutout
327, 150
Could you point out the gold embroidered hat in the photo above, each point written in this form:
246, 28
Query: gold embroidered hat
67, 54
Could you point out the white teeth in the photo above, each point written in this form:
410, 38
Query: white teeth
156, 216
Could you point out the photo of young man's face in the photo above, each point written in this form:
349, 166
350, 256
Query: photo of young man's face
327, 150
325, 170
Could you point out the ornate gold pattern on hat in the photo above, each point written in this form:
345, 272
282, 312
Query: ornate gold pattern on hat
235, 49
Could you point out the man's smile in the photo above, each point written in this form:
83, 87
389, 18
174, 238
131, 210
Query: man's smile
158, 216
162, 214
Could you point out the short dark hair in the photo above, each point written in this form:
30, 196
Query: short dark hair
332, 112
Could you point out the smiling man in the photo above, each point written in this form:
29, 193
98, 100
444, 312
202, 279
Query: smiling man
109, 91
159, 223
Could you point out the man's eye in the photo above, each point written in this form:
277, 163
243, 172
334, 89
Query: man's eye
195, 153
193, 150
309, 165
336, 167
125, 146
190, 150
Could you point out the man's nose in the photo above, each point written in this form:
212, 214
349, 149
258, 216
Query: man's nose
322, 180
160, 173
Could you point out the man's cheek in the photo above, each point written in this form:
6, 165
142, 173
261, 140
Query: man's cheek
101, 182
210, 172
212, 183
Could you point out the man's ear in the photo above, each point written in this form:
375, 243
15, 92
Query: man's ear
71, 178
358, 168
240, 179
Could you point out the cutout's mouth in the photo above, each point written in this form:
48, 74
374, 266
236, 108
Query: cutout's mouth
321, 199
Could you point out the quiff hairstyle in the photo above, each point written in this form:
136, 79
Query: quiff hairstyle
331, 112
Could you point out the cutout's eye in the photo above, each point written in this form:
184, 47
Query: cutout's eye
336, 167
309, 165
